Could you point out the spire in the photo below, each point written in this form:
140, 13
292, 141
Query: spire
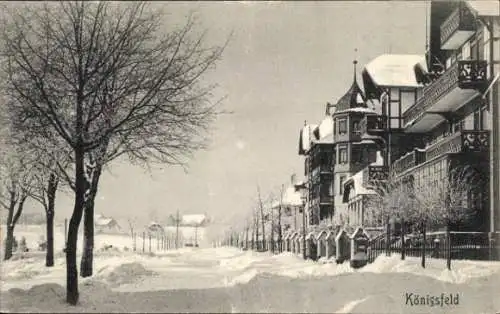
355, 62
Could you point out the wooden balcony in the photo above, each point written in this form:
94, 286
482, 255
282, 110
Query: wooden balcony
457, 28
326, 200
375, 173
322, 169
447, 93
373, 124
409, 161
459, 142
464, 141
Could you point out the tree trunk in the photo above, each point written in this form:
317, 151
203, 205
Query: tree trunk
424, 244
49, 256
51, 197
263, 231
86, 264
72, 294
448, 246
9, 241
403, 244
388, 238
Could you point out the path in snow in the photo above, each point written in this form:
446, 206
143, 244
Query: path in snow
228, 280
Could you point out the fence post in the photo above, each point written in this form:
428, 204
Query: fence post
491, 246
143, 241
134, 238
149, 236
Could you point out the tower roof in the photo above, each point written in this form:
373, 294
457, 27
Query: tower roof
353, 98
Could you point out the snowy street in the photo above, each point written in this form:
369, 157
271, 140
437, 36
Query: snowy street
230, 280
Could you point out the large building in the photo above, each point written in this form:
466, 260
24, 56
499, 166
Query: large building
419, 118
446, 117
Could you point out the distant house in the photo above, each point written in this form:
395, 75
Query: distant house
155, 227
104, 224
199, 220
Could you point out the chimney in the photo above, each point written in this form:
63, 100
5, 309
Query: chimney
293, 179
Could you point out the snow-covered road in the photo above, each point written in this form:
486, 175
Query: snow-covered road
230, 280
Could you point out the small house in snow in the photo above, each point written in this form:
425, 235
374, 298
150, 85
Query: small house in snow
104, 224
198, 220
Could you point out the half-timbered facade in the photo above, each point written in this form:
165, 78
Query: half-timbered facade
450, 121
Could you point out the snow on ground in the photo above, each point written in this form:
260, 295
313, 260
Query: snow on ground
231, 280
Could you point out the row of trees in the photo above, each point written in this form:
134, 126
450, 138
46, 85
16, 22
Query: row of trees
263, 229
84, 84
447, 199
431, 202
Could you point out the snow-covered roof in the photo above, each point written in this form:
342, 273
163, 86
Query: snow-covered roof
395, 70
197, 219
485, 7
357, 109
379, 161
290, 198
328, 139
100, 220
353, 98
356, 182
364, 142
326, 127
306, 137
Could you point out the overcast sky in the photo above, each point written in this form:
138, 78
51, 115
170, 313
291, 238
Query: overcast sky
284, 62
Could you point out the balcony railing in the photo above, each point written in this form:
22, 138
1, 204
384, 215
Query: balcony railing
372, 123
409, 160
464, 141
460, 20
326, 199
322, 169
464, 74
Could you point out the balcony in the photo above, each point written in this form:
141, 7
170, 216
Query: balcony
321, 199
326, 200
464, 141
450, 91
409, 161
457, 28
321, 169
460, 142
373, 124
374, 173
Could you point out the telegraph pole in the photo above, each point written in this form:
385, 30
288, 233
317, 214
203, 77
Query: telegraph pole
196, 235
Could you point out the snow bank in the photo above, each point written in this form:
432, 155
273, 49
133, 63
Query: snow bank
124, 273
461, 271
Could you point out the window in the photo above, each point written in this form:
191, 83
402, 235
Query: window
342, 126
343, 155
357, 156
341, 185
355, 128
333, 185
477, 124
485, 118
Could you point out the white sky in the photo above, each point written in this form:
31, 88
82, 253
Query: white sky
284, 62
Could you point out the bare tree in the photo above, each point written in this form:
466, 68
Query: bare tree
15, 173
394, 198
108, 77
449, 200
